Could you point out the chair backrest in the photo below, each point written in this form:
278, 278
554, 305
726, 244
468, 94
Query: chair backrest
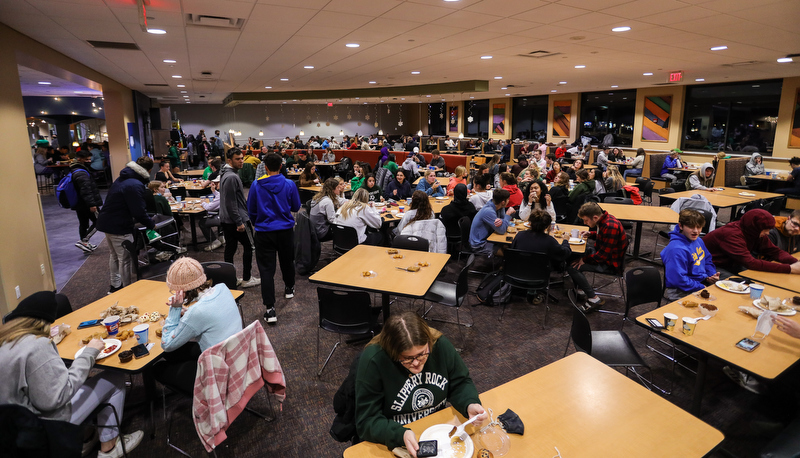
345, 311
220, 272
410, 242
462, 286
618, 200
581, 332
760, 203
560, 204
656, 163
776, 205
24, 434
526, 269
464, 224
643, 285
708, 216
178, 191
345, 238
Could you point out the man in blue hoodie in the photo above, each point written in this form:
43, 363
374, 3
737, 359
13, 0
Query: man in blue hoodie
687, 261
270, 204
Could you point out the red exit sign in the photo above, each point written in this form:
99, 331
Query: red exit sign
676, 77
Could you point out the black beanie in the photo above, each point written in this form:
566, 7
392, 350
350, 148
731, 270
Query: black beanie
41, 305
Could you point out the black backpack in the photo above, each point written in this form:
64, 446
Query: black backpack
492, 291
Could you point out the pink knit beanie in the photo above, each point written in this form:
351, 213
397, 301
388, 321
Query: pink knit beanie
185, 274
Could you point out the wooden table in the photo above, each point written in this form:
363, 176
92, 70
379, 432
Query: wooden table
194, 189
346, 271
716, 199
321, 163
788, 281
190, 173
737, 192
717, 337
641, 214
315, 189
193, 209
444, 181
584, 408
503, 238
773, 177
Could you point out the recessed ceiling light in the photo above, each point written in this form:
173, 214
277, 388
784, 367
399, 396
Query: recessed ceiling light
267, 87
415, 73
621, 29
168, 61
498, 77
177, 76
615, 86
719, 48
353, 45
503, 88
427, 96
284, 79
647, 74
181, 85
784, 60
507, 95
699, 79
554, 90
486, 57
184, 92
373, 82
188, 101
580, 66
185, 96
308, 66
358, 98
156, 31
45, 82
562, 82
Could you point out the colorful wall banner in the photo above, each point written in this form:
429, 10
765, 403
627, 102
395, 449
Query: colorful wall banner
561, 117
655, 122
499, 118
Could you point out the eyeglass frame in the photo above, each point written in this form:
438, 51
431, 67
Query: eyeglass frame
422, 357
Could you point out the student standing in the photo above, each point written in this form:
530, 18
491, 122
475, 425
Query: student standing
88, 199
233, 216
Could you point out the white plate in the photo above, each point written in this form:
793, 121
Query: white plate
573, 241
757, 303
441, 198
104, 353
723, 285
440, 433
747, 194
378, 204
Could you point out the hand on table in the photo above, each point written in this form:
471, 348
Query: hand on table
176, 300
795, 268
713, 279
788, 326
96, 344
498, 222
410, 440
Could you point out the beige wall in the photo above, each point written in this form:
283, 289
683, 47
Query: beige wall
25, 248
785, 112
575, 110
678, 94
509, 121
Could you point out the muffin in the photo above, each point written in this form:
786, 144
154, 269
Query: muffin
705, 294
125, 356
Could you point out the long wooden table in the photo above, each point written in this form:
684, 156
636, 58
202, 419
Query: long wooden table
640, 214
787, 281
190, 173
444, 181
504, 238
193, 209
347, 272
584, 408
717, 337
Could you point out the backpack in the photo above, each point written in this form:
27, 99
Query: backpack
492, 291
66, 194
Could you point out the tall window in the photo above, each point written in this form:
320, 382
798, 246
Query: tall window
604, 113
438, 124
736, 117
529, 115
479, 110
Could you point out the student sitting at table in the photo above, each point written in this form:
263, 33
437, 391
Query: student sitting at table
412, 165
702, 179
602, 159
165, 175
490, 219
553, 173
359, 214
459, 177
596, 176
616, 155
793, 180
561, 150
420, 209
483, 169
200, 316
688, 266
613, 180
560, 187
786, 233
537, 239
399, 188
744, 244
437, 160
754, 166
430, 185
457, 209
211, 220
673, 161
160, 204
328, 156
518, 168
361, 170
324, 206
480, 195
584, 185
573, 170
309, 176
606, 257
536, 198
212, 171
405, 373
35, 376
634, 169
391, 163
249, 158
373, 190
509, 183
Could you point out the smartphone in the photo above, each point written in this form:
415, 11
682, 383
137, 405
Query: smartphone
140, 351
655, 323
89, 323
509, 238
747, 344
427, 448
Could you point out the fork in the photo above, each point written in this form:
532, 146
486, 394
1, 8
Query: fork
459, 431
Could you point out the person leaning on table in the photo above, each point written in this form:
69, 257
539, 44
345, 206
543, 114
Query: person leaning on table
688, 266
408, 372
35, 377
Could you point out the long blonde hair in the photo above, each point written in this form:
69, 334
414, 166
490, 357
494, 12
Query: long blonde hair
17, 328
613, 172
358, 202
327, 190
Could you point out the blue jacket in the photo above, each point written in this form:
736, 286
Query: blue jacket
669, 163
125, 202
271, 202
686, 263
403, 190
423, 185
483, 224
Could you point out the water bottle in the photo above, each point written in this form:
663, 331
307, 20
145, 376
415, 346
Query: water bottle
552, 227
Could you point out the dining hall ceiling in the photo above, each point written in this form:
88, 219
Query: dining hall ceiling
225, 48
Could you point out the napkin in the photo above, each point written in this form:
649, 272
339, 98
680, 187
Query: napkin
764, 324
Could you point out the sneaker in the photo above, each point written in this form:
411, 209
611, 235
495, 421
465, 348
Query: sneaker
92, 246
746, 381
591, 305
271, 316
250, 283
114, 289
181, 250
221, 240
239, 281
83, 246
288, 292
90, 444
131, 441
573, 297
213, 245
162, 256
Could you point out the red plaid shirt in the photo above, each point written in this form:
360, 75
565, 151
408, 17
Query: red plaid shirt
611, 241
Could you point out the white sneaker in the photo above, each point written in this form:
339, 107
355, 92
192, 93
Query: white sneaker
252, 282
131, 441
162, 256
221, 239
213, 246
181, 250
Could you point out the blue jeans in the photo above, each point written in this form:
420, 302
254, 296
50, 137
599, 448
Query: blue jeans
632, 173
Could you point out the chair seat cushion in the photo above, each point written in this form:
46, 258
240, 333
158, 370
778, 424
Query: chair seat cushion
443, 293
614, 348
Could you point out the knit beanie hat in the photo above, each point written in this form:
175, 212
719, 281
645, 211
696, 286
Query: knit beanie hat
185, 274
41, 305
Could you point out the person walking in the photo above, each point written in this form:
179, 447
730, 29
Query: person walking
233, 216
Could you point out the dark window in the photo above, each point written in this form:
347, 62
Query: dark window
604, 113
736, 117
437, 118
529, 115
479, 110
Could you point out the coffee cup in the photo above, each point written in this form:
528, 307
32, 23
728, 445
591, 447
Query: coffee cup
575, 233
670, 320
178, 199
142, 332
689, 324
756, 291
112, 325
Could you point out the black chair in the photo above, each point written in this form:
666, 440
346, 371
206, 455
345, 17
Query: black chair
223, 272
776, 205
561, 206
618, 200
612, 348
451, 294
410, 242
143, 270
465, 225
178, 191
345, 238
345, 312
760, 203
528, 271
645, 189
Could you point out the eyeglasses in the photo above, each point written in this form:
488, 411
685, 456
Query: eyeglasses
422, 357
794, 223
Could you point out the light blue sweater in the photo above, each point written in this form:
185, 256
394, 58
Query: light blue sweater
208, 321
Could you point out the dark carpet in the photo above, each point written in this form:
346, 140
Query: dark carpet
495, 352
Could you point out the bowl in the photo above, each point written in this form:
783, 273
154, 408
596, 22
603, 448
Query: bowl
707, 309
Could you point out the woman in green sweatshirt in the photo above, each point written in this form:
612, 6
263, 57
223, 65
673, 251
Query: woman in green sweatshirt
408, 372
584, 186
361, 170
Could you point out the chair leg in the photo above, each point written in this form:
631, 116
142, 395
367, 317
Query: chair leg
328, 358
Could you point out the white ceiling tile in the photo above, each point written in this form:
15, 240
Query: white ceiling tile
553, 12
639, 8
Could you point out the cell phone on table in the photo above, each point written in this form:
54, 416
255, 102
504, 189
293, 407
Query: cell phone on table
655, 323
747, 344
427, 448
140, 351
89, 323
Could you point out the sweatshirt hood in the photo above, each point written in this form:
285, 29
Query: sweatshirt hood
273, 184
136, 171
752, 223
677, 235
703, 169
753, 158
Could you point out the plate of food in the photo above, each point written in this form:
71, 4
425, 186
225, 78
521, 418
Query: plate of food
781, 308
705, 295
747, 194
576, 241
441, 198
369, 274
112, 346
378, 204
527, 224
733, 287
446, 447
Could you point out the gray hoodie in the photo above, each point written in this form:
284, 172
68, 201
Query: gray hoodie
752, 168
698, 179
232, 206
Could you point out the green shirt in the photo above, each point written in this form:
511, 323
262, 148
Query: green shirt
388, 396
355, 183
174, 158
391, 166
206, 172
162, 205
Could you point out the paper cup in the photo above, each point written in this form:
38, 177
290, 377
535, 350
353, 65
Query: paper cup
688, 326
178, 199
142, 332
575, 233
670, 320
112, 325
756, 291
